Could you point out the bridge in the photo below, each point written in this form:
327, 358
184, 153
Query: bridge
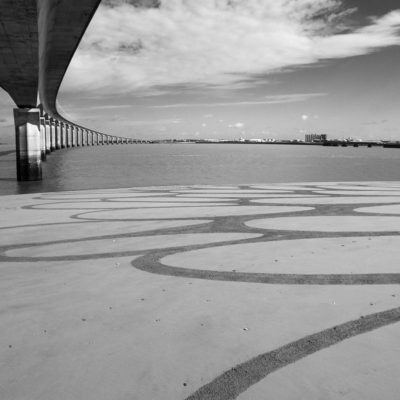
38, 39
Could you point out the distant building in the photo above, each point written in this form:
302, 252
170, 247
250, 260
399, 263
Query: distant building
314, 137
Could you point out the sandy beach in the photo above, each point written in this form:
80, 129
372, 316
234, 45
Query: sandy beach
284, 291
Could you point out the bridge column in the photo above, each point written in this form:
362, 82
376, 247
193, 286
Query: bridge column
52, 134
63, 135
102, 139
42, 139
58, 135
78, 136
27, 138
73, 136
48, 135
83, 137
97, 138
67, 135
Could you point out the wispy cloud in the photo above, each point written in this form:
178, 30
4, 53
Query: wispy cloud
134, 45
274, 99
107, 107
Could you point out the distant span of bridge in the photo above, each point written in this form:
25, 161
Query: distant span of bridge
38, 39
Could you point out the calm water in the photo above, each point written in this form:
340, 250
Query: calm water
159, 164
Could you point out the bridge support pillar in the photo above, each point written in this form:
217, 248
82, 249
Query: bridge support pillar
63, 135
52, 135
73, 135
48, 135
27, 138
78, 136
67, 136
42, 139
57, 130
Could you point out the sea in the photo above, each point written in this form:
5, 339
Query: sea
139, 165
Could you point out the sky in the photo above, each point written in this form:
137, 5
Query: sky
236, 68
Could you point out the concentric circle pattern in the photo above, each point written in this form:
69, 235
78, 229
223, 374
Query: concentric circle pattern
201, 292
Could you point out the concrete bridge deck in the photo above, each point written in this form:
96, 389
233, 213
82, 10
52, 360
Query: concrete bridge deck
284, 291
37, 42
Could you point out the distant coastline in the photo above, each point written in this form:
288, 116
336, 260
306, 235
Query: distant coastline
328, 143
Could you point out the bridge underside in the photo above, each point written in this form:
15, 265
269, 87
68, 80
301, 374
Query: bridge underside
19, 69
38, 39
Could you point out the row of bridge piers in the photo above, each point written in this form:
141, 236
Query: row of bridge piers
37, 135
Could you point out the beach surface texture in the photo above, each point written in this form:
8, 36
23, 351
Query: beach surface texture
262, 291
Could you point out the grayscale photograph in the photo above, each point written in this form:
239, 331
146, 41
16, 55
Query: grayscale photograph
199, 199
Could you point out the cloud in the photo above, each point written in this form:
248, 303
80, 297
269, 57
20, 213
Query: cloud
134, 3
133, 45
273, 99
238, 125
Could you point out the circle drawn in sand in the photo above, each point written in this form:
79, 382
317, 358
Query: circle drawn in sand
331, 200
329, 224
394, 209
130, 244
349, 255
190, 212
